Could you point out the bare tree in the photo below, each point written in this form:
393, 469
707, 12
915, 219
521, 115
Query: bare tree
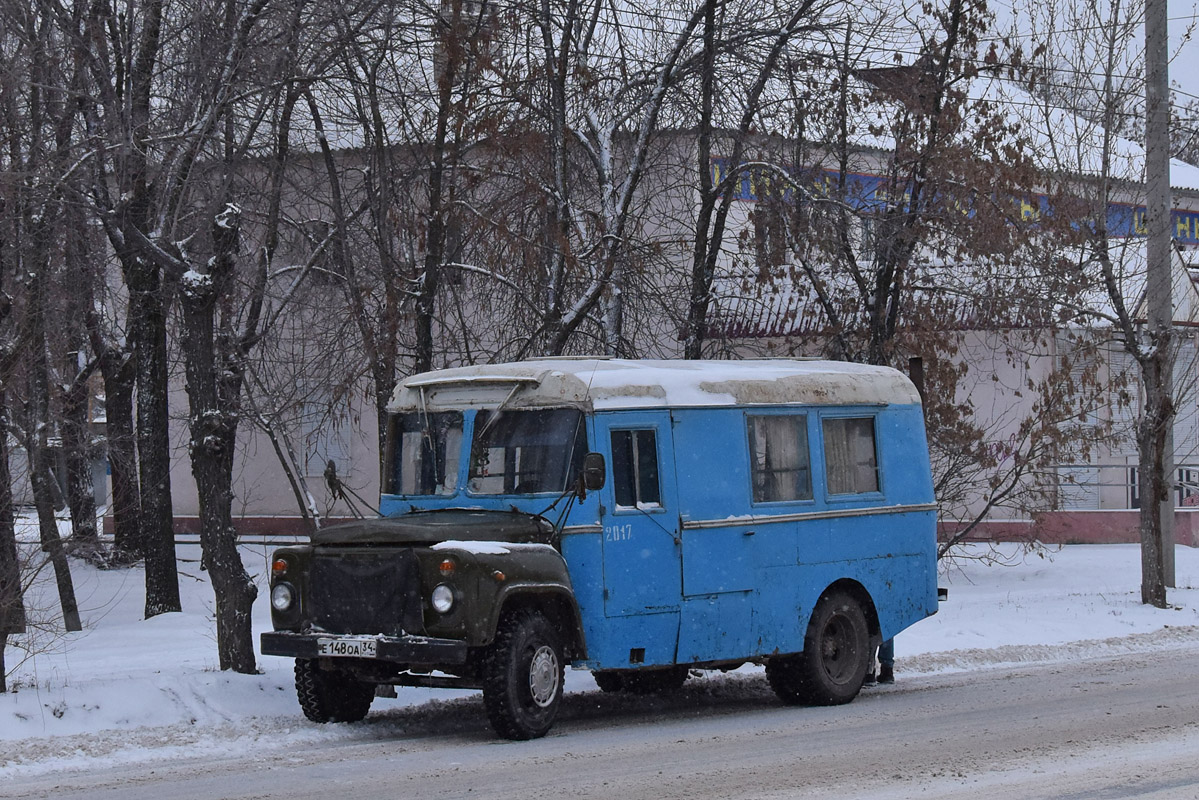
135, 188
38, 138
715, 200
12, 609
1106, 74
884, 225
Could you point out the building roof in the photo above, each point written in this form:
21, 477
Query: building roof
605, 384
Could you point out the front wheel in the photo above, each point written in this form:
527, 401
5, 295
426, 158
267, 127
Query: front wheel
835, 658
522, 676
331, 695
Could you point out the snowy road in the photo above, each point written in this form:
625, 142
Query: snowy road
1111, 727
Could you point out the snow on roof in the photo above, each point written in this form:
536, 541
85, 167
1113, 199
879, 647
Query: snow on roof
606, 384
1061, 141
1067, 142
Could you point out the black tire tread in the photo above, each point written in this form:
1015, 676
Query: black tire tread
506, 719
798, 679
330, 696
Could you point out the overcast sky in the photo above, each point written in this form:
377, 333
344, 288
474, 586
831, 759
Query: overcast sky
1184, 71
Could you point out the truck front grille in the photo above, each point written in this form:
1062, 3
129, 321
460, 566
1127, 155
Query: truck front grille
365, 591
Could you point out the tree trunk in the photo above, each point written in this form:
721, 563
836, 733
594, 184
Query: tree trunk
125, 503
700, 300
40, 478
78, 453
12, 606
39, 425
157, 533
1153, 480
214, 380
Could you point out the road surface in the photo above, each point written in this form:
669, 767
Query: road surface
1093, 729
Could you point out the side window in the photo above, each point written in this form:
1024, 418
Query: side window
780, 466
424, 451
635, 468
850, 459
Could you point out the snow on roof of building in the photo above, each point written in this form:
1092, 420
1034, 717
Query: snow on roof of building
1063, 141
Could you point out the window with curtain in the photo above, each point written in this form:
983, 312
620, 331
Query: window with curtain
850, 459
780, 466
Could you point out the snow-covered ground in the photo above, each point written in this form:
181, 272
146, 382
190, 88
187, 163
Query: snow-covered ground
128, 690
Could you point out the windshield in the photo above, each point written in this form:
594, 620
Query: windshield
425, 452
526, 452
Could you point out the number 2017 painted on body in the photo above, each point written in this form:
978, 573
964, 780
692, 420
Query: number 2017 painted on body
618, 533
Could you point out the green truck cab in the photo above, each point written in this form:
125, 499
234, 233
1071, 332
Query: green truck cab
487, 613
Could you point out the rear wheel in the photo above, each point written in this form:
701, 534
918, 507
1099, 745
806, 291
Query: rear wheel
522, 676
328, 695
835, 658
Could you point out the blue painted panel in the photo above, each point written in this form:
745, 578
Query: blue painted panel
718, 560
904, 459
584, 557
712, 462
616, 638
642, 546
778, 620
716, 627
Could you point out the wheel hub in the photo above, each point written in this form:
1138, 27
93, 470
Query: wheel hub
543, 676
835, 651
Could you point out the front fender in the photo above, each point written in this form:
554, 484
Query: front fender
555, 600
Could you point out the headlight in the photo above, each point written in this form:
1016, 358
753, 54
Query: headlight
442, 598
282, 596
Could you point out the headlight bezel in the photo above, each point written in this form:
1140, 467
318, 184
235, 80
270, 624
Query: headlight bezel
283, 597
443, 598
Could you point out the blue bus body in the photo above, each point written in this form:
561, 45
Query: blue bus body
727, 512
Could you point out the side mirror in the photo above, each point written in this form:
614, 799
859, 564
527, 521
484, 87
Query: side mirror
595, 472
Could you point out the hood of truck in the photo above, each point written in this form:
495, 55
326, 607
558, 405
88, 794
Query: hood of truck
430, 527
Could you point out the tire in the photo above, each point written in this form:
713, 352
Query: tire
522, 676
331, 695
656, 681
835, 658
608, 680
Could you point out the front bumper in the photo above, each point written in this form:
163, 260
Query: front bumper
397, 649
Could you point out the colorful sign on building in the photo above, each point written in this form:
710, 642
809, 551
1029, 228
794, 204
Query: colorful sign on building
874, 193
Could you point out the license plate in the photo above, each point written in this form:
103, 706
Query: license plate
343, 646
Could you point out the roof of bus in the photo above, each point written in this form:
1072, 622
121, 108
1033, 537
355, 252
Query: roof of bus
603, 384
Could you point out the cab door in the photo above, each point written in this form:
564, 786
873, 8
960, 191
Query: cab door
642, 555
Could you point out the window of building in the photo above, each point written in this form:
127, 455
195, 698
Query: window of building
1078, 488
850, 457
770, 238
635, 468
323, 428
780, 465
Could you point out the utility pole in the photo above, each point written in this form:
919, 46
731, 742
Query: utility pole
1158, 250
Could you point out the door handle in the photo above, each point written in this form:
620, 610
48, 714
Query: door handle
747, 533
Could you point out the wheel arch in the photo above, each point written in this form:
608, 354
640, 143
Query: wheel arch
862, 596
559, 606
